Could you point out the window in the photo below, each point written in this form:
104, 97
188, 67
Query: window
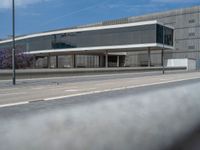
107, 37
168, 35
191, 47
191, 21
192, 34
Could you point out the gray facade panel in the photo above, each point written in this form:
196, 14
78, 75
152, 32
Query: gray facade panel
187, 33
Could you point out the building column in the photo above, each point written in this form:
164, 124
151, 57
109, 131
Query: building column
56, 61
34, 62
118, 61
101, 61
162, 61
149, 57
161, 57
49, 61
106, 59
74, 61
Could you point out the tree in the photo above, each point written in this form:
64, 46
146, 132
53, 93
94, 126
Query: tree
23, 61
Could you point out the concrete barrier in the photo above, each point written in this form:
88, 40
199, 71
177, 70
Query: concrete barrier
42, 73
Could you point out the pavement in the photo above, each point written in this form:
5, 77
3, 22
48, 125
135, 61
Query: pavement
140, 112
39, 73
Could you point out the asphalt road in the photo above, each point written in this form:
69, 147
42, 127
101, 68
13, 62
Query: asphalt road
28, 91
156, 117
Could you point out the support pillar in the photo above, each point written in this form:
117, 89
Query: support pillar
56, 61
106, 59
99, 61
34, 62
162, 60
74, 61
118, 61
149, 57
163, 67
48, 61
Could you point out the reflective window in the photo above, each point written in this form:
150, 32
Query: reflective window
106, 37
168, 35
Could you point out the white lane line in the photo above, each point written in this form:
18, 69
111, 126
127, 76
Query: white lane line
117, 89
162, 79
72, 90
13, 104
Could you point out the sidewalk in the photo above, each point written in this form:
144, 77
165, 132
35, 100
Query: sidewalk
41, 73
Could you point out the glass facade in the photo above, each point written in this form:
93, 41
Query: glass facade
168, 35
106, 37
142, 34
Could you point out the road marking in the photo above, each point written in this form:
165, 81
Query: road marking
117, 89
162, 79
13, 104
72, 90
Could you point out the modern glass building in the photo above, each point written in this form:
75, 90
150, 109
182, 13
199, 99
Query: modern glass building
95, 46
186, 23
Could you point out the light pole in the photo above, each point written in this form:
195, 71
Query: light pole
13, 47
163, 67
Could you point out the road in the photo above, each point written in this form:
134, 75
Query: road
142, 113
28, 91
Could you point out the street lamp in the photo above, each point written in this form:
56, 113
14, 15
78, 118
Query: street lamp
13, 47
163, 67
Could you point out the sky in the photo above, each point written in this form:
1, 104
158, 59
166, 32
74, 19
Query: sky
42, 15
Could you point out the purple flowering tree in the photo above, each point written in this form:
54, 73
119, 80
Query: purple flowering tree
23, 61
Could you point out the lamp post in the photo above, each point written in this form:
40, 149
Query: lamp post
163, 67
13, 42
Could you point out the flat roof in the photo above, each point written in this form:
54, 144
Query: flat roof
85, 29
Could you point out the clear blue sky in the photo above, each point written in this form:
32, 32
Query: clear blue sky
43, 15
